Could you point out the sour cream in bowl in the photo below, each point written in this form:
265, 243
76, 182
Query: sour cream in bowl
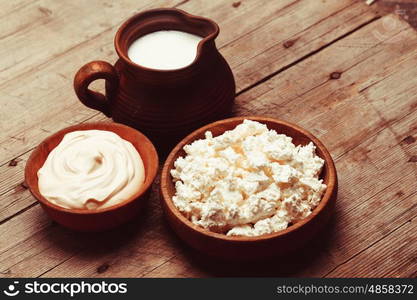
91, 169
92, 177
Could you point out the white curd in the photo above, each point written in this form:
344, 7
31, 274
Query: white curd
248, 181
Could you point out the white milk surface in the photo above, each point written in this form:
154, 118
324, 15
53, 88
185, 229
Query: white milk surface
165, 49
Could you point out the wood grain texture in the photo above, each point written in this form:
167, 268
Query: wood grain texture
384, 260
404, 8
331, 66
355, 227
30, 92
23, 132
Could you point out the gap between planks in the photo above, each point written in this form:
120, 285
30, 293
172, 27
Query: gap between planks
33, 148
270, 77
97, 113
374, 242
95, 36
275, 73
284, 68
259, 82
172, 257
306, 47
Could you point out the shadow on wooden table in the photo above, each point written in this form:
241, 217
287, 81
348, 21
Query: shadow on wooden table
295, 264
99, 244
150, 232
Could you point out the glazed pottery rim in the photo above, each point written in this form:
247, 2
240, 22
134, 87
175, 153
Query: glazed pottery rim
124, 56
150, 175
325, 200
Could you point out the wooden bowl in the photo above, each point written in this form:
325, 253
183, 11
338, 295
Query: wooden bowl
260, 247
100, 219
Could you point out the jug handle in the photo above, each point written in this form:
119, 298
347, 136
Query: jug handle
88, 73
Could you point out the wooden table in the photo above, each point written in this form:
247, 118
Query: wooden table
336, 67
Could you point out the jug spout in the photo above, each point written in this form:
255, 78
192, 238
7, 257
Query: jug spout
165, 104
167, 19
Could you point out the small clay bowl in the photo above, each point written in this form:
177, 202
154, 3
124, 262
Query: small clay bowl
250, 248
100, 219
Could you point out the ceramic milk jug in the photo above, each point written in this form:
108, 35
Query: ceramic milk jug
166, 105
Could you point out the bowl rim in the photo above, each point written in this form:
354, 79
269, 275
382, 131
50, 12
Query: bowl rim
152, 171
331, 186
122, 53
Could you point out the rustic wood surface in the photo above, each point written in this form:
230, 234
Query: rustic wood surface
341, 69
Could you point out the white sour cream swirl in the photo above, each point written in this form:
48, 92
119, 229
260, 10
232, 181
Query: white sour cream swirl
91, 169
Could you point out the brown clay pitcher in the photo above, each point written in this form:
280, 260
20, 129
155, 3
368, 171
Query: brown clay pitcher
164, 104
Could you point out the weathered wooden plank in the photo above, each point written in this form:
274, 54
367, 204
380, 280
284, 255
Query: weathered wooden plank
384, 156
10, 7
14, 195
93, 25
375, 87
310, 101
42, 77
12, 179
378, 261
293, 35
37, 237
393, 256
30, 95
13, 175
140, 247
374, 147
35, 16
53, 27
355, 225
360, 217
25, 227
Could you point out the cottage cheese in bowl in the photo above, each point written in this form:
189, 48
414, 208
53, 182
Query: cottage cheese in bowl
249, 181
91, 169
